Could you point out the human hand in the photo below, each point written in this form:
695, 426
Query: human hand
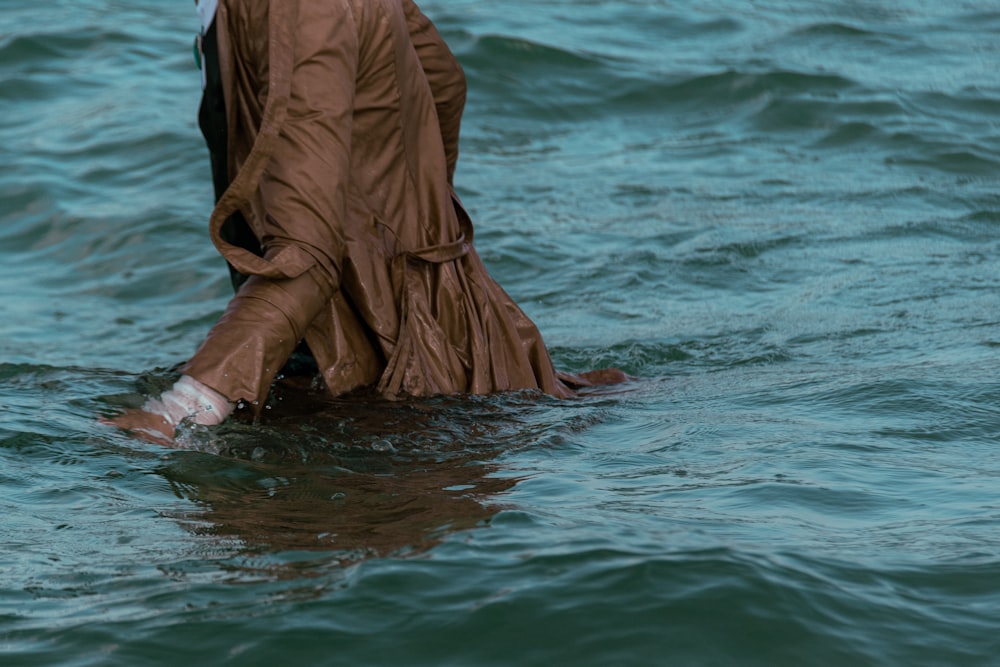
144, 425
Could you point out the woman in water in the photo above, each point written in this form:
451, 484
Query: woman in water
333, 130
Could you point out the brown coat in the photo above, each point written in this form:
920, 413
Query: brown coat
343, 123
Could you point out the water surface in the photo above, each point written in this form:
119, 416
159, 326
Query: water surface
782, 218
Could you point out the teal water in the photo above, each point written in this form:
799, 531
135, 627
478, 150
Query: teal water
782, 217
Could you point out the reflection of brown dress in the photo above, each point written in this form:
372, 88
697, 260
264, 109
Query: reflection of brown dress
343, 122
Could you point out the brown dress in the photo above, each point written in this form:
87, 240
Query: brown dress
343, 123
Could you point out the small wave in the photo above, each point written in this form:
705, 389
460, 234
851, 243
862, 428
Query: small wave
515, 53
991, 217
18, 372
848, 134
835, 29
969, 162
971, 102
536, 80
728, 88
45, 50
639, 358
749, 249
27, 88
846, 35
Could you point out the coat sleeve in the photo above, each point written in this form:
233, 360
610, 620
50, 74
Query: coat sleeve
445, 76
305, 62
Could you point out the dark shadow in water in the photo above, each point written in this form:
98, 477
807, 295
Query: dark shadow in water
354, 478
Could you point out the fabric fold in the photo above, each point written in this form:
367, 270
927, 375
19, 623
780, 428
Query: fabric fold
343, 122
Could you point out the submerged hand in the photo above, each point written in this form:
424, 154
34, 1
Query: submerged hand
157, 420
604, 376
147, 426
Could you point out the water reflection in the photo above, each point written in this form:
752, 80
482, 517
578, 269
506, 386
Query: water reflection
356, 478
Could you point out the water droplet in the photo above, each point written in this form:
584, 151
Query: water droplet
383, 446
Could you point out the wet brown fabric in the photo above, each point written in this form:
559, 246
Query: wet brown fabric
343, 123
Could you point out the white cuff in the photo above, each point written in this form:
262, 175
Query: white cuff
190, 399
